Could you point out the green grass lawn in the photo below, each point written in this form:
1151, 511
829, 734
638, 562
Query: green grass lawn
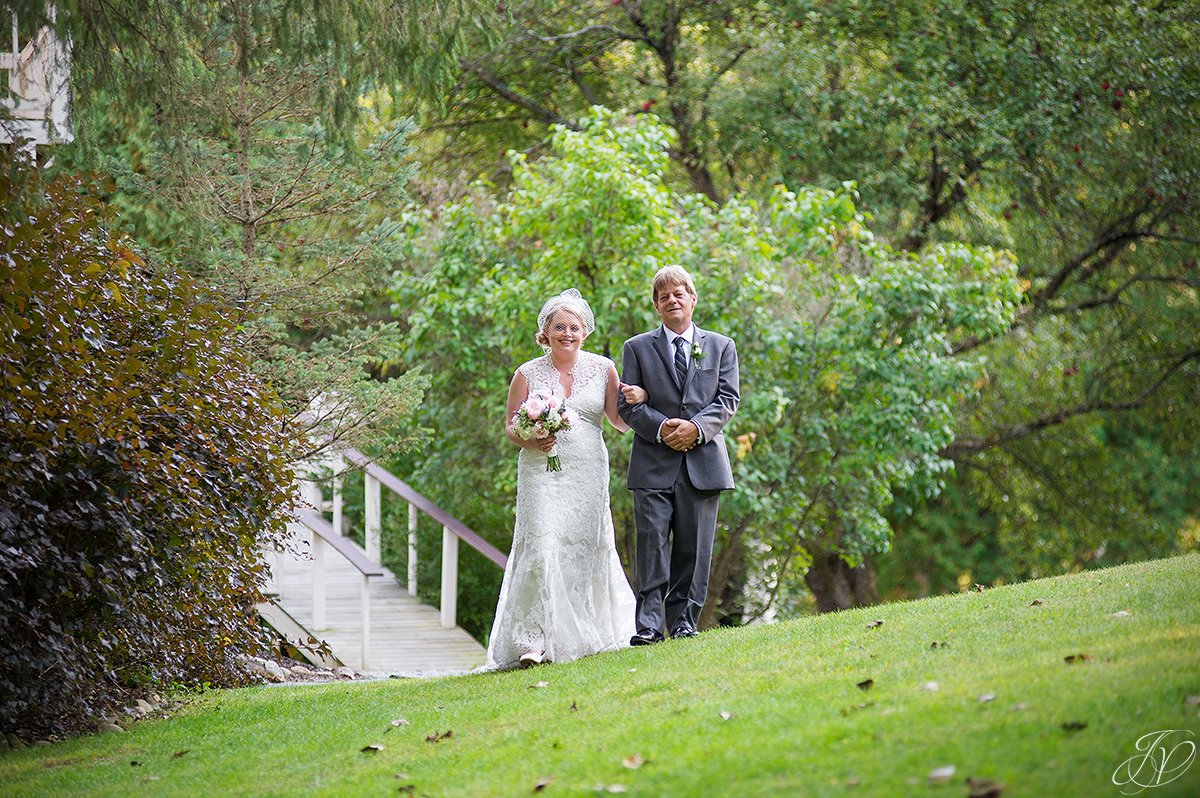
795, 720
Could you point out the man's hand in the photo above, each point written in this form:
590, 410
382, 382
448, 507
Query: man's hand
680, 434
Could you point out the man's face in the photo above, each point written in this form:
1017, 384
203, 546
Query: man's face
675, 304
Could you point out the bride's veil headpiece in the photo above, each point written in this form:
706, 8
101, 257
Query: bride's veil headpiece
572, 301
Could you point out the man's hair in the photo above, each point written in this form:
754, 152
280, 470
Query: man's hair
669, 276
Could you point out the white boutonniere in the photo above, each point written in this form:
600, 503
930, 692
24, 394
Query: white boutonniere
697, 353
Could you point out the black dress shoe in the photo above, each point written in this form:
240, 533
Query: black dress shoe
683, 631
646, 637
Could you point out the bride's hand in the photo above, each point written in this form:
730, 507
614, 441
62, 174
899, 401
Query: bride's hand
634, 394
545, 444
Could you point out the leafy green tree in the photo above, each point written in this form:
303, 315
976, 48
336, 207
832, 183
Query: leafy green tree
1054, 130
143, 468
848, 386
247, 153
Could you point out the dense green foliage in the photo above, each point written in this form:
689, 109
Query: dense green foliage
143, 467
268, 150
1061, 131
263, 177
848, 388
759, 711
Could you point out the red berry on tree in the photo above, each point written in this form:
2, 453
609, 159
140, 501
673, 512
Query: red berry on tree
1119, 92
1079, 163
1116, 105
1105, 85
1007, 214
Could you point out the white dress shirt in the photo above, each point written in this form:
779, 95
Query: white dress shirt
687, 335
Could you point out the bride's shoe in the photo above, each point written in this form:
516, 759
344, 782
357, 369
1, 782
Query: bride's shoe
531, 658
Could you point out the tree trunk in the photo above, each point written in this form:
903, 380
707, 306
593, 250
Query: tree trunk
724, 587
837, 586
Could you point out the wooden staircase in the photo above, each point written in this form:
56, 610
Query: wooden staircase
336, 591
406, 636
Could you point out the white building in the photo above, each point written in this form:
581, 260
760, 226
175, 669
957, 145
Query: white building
33, 88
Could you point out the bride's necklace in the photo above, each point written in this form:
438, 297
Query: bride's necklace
566, 379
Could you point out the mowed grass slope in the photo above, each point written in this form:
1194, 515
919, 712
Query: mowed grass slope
795, 720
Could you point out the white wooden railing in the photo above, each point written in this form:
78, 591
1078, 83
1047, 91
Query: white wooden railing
367, 559
324, 538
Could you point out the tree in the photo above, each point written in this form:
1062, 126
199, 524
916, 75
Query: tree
1053, 130
143, 467
247, 153
849, 389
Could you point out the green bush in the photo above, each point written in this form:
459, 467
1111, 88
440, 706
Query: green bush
143, 468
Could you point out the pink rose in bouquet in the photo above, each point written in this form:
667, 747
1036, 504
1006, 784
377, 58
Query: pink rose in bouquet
541, 415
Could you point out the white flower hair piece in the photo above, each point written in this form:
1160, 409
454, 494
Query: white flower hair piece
570, 300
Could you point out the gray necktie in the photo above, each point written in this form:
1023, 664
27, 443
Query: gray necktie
680, 359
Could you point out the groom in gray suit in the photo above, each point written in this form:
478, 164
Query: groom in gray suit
678, 466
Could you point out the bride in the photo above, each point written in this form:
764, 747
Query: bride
564, 593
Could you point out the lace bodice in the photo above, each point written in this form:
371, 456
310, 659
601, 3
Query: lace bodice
588, 386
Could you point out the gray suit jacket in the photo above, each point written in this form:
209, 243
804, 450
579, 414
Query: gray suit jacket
709, 396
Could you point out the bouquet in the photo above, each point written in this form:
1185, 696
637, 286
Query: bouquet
541, 415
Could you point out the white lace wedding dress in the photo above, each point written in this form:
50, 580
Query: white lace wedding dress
564, 590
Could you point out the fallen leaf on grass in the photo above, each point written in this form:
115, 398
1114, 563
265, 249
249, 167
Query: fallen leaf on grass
865, 684
632, 670
930, 687
633, 761
437, 738
178, 754
941, 775
875, 624
539, 685
725, 714
853, 781
1192, 700
1074, 725
574, 707
135, 764
146, 779
1122, 614
397, 723
1036, 602
408, 788
542, 783
611, 788
984, 788
986, 697
979, 588
936, 644
373, 748
1072, 659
